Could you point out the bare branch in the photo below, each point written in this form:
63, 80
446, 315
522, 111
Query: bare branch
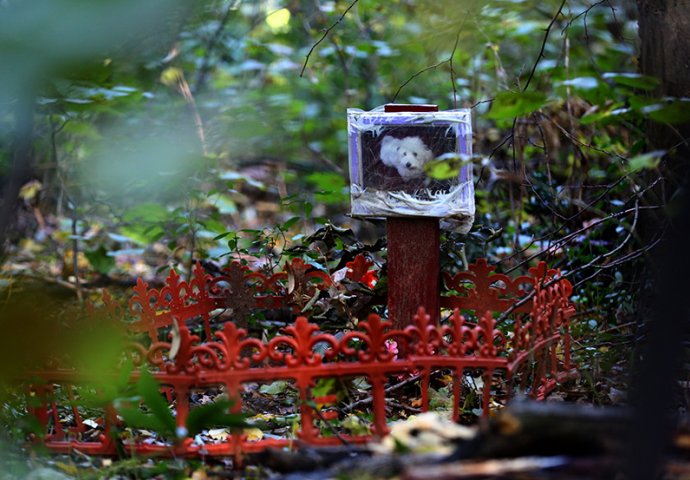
479, 102
323, 37
449, 61
543, 45
452, 71
600, 269
208, 49
584, 12
415, 76
566, 239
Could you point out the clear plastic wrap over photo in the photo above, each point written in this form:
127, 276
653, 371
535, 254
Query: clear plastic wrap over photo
414, 164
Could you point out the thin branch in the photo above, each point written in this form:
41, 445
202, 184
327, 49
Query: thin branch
368, 400
320, 156
566, 239
415, 76
493, 152
488, 100
627, 258
396, 404
452, 71
323, 37
592, 263
75, 255
630, 232
530, 295
582, 144
543, 45
210, 45
186, 92
449, 61
571, 218
584, 12
547, 154
328, 425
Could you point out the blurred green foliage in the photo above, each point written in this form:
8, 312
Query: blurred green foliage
174, 131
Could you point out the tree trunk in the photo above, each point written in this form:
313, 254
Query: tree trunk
20, 167
664, 28
665, 35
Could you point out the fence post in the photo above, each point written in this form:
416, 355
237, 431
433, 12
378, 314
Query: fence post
413, 257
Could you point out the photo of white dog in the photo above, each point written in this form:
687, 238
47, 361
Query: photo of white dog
407, 155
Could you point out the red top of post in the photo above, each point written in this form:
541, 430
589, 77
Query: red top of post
409, 107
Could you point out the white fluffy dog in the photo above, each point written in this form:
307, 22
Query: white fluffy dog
407, 155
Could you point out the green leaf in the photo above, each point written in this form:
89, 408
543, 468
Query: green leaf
331, 186
142, 234
326, 180
634, 80
275, 388
122, 383
355, 426
135, 418
609, 113
146, 212
676, 111
149, 390
106, 391
213, 415
223, 203
323, 387
144, 223
446, 167
638, 102
647, 160
290, 222
223, 235
509, 105
100, 259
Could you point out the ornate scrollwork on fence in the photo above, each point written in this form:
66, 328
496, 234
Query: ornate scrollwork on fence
495, 325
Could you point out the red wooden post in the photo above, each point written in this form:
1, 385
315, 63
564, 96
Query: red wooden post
413, 257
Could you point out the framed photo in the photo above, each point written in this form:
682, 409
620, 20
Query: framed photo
413, 164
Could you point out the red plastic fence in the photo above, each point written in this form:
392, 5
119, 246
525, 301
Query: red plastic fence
512, 330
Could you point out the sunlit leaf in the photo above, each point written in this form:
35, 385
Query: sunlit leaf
509, 105
278, 20
446, 166
634, 80
649, 160
600, 114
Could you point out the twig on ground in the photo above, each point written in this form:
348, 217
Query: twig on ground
368, 400
328, 425
396, 404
